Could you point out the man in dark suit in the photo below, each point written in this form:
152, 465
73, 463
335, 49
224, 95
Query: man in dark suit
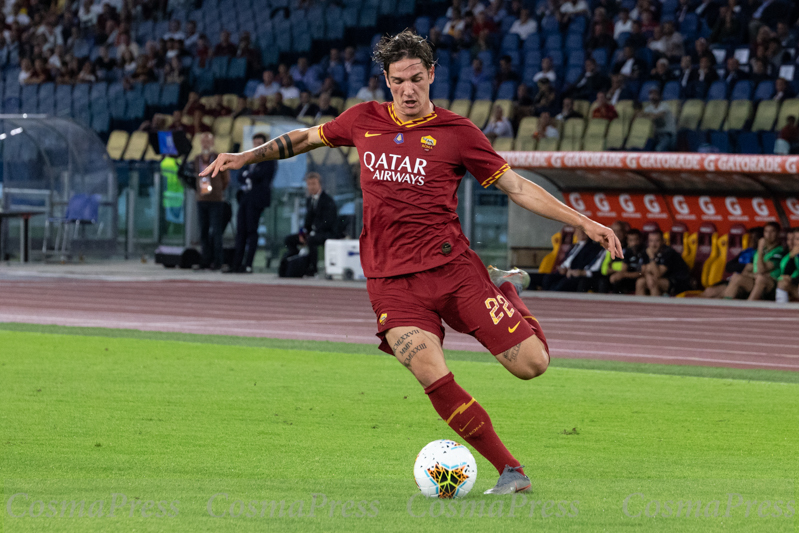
580, 270
254, 195
591, 82
321, 222
734, 73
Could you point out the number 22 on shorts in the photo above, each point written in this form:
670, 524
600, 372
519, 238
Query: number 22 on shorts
492, 304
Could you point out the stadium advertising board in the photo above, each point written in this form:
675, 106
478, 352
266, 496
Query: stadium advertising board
723, 211
790, 207
635, 209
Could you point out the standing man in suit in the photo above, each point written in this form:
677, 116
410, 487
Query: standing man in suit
255, 195
210, 206
321, 222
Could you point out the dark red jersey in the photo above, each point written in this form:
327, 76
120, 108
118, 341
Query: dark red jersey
410, 172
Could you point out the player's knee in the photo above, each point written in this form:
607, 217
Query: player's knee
784, 284
535, 362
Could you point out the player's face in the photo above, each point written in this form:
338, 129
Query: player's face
409, 82
655, 241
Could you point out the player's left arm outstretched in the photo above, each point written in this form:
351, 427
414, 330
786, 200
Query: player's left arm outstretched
532, 197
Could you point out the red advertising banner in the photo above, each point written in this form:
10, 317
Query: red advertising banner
722, 211
635, 209
791, 208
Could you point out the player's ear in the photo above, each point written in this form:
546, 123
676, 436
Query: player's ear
432, 73
385, 75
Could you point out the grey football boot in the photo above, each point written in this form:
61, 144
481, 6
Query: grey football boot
511, 481
518, 277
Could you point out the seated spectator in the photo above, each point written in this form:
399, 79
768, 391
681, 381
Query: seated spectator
288, 89
663, 120
143, 73
522, 103
268, 86
661, 73
663, 270
41, 74
782, 90
604, 109
788, 284
177, 121
701, 49
278, 108
193, 104
306, 108
506, 72
740, 264
191, 36
483, 23
330, 87
498, 125
648, 23
103, 65
546, 128
788, 139
734, 73
624, 24
570, 9
26, 72
174, 31
68, 74
225, 48
762, 281
760, 71
629, 65
304, 76
600, 39
727, 30
251, 54
591, 82
687, 75
524, 26
601, 18
218, 108
658, 43
544, 100
173, 71
618, 90
767, 14
455, 26
704, 77
478, 75
86, 74
675, 42
624, 272
325, 109
496, 10
372, 91
785, 37
580, 269
241, 110
637, 38
708, 10
568, 111
321, 223
547, 71
202, 51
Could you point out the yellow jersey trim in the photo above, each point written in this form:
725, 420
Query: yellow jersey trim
496, 175
410, 123
322, 136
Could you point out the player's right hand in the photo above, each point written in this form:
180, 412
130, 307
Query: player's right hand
222, 163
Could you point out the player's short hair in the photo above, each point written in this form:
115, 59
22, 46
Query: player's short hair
404, 45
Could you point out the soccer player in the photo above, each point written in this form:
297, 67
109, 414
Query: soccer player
417, 261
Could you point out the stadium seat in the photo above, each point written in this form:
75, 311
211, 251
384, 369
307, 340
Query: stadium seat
789, 108
675, 106
524, 136
764, 91
137, 144
714, 115
748, 143
594, 138
742, 90
441, 102
503, 144
573, 130
548, 144
739, 114
766, 115
461, 106
441, 89
706, 246
717, 91
63, 100
170, 94
582, 107
721, 140
463, 91
553, 42
671, 90
29, 98
238, 129
507, 107
576, 58
481, 110
641, 131
510, 41
643, 94
691, 115
601, 56
676, 237
573, 75
767, 141
614, 140
349, 102
507, 91
484, 91
223, 144
729, 246
116, 144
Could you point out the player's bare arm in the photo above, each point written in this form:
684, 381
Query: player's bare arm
530, 196
283, 147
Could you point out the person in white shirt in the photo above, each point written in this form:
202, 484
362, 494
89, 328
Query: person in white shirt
26, 71
663, 119
288, 89
524, 26
498, 125
268, 87
546, 71
455, 26
574, 7
623, 25
371, 91
174, 32
658, 42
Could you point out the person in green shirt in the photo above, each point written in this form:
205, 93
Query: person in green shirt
761, 282
788, 284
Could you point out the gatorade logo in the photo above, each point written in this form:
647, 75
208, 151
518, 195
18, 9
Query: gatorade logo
760, 207
706, 205
601, 202
651, 203
577, 201
732, 206
793, 205
680, 205
627, 203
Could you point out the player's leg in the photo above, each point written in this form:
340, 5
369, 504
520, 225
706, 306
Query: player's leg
714, 291
764, 284
739, 283
658, 286
641, 286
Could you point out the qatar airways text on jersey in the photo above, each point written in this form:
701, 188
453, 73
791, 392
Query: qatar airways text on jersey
393, 167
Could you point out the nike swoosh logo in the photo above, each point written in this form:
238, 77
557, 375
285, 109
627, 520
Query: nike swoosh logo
511, 330
467, 423
372, 134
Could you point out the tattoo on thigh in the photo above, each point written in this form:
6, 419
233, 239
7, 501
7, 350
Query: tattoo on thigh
403, 339
411, 352
513, 353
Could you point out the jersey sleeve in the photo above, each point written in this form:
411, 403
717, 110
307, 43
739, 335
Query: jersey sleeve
479, 157
338, 132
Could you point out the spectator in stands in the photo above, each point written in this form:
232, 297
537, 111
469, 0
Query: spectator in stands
637, 38
306, 108
268, 86
325, 108
41, 74
547, 71
788, 284
174, 31
769, 12
629, 65
330, 87
727, 30
241, 110
601, 17
625, 272
87, 14
304, 76
580, 268
740, 264
662, 73
524, 26
496, 10
568, 111
143, 73
760, 71
600, 39
506, 72
734, 73
177, 121
173, 72
225, 48
544, 100
193, 104
483, 23
663, 120
618, 90
786, 39
321, 223
210, 196
788, 139
546, 128
762, 281
663, 270
704, 78
498, 125
455, 26
218, 107
202, 51
372, 91
591, 82
783, 91
249, 53
657, 43
103, 64
623, 25
86, 74
604, 109
522, 103
255, 195
191, 37
278, 108
570, 9
701, 49
26, 72
288, 89
675, 42
687, 76
478, 74
707, 10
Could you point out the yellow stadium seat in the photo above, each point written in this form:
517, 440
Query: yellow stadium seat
150, 155
614, 140
790, 108
582, 107
548, 144
714, 115
324, 119
164, 119
351, 102
766, 115
524, 137
223, 125
187, 121
691, 114
222, 144
481, 109
238, 129
675, 106
690, 244
208, 120
625, 110
353, 158
461, 107
594, 138
641, 131
137, 145
117, 142
207, 101
441, 102
307, 120
503, 144
548, 260
196, 147
507, 108
292, 102
715, 267
337, 102
318, 155
230, 100
739, 114
573, 130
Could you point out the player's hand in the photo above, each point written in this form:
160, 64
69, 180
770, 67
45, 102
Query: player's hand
604, 236
222, 163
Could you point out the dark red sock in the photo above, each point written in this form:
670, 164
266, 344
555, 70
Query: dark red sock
469, 420
510, 293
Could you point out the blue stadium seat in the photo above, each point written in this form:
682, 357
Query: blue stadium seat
573, 75
443, 73
152, 94
532, 43
80, 94
463, 91
767, 141
576, 58
12, 105
507, 91
357, 76
694, 139
237, 70
690, 24
487, 57
553, 42
406, 7
721, 140
465, 74
550, 25
63, 100
574, 41
441, 88
464, 58
515, 58
765, 90
717, 91
134, 107
506, 24
533, 58
643, 94
510, 41
82, 115
29, 98
368, 18
485, 91
742, 90
219, 67
116, 107
601, 56
748, 143
99, 90
422, 26
350, 17
557, 57
647, 56
334, 30
250, 88
578, 26
12, 76
170, 94
671, 90
100, 120
622, 39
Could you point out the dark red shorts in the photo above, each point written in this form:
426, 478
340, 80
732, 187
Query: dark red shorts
459, 292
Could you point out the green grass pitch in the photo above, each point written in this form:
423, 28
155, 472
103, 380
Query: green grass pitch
109, 430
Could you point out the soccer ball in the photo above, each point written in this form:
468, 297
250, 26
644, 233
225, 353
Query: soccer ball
445, 469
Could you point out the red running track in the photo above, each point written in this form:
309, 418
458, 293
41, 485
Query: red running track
622, 331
